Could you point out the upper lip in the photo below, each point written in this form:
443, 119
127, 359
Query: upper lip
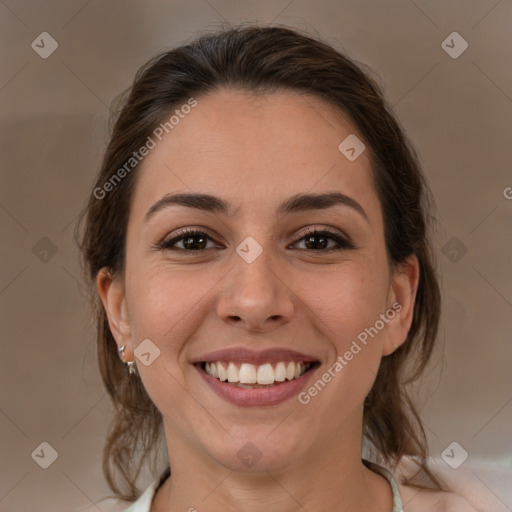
245, 355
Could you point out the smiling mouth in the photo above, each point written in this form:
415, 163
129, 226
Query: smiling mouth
247, 375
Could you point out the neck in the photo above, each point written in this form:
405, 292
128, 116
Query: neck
325, 479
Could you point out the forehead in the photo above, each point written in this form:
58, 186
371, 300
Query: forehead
255, 150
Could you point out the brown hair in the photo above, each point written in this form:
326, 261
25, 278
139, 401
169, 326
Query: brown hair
263, 60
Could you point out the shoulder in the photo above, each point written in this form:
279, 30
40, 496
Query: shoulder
415, 500
106, 505
142, 504
472, 488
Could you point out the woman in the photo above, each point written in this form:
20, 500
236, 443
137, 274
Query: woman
258, 237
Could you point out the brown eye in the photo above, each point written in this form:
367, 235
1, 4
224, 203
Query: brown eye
318, 240
192, 240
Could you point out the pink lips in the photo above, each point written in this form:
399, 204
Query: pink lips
244, 355
247, 397
272, 395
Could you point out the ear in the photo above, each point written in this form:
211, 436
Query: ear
112, 294
401, 299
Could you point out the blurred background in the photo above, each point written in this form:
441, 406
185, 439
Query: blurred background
445, 67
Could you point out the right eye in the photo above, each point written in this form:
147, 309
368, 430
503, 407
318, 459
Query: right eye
189, 238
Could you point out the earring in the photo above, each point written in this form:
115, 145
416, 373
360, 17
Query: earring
132, 367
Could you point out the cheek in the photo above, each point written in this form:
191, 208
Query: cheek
164, 304
345, 302
346, 307
165, 308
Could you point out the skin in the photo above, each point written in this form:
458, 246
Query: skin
255, 153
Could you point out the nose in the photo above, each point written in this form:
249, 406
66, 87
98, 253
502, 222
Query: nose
255, 296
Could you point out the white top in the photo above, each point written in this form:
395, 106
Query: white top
143, 504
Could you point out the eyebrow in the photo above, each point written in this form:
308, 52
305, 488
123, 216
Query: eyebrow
296, 203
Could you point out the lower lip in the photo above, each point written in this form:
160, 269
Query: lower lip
259, 396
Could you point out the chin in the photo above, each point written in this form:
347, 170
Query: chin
258, 450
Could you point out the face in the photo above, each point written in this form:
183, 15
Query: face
255, 286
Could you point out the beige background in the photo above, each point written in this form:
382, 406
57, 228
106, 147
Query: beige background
54, 115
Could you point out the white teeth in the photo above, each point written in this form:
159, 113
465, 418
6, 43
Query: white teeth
233, 373
290, 371
247, 374
222, 374
280, 372
264, 374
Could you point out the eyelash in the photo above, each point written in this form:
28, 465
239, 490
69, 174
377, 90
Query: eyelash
188, 233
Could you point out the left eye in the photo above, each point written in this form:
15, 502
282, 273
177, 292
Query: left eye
196, 241
322, 237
